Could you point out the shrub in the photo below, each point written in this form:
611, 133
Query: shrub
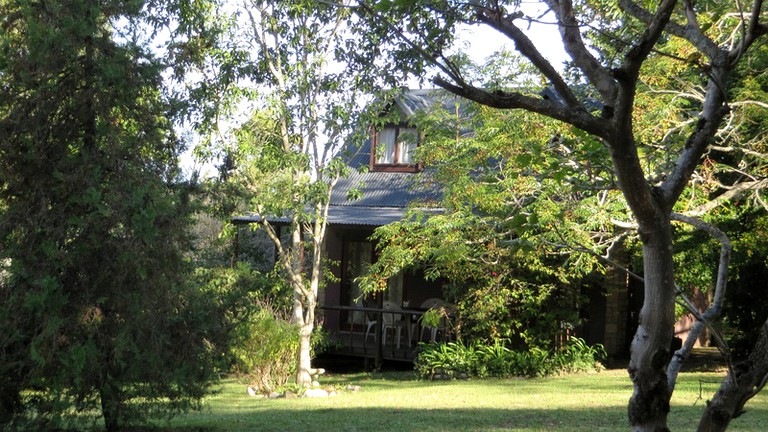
456, 359
262, 344
265, 352
577, 356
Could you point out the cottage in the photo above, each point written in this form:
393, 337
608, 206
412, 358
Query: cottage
391, 180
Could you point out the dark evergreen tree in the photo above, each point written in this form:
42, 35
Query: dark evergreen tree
96, 313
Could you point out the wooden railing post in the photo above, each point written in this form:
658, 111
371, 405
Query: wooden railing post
379, 339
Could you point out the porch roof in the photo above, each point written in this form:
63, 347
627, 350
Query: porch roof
344, 215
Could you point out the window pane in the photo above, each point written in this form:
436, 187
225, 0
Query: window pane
406, 143
385, 150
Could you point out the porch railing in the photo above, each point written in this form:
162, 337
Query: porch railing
351, 335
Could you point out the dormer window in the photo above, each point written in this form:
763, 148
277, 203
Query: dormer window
393, 148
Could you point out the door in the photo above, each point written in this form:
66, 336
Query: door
357, 257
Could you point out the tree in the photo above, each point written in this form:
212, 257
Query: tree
285, 156
97, 315
718, 36
508, 209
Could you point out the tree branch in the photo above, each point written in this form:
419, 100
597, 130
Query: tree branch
639, 52
629, 72
751, 33
495, 19
574, 45
714, 110
728, 195
514, 100
691, 33
445, 65
715, 309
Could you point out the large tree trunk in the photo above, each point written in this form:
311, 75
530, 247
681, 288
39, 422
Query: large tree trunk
650, 349
111, 406
734, 392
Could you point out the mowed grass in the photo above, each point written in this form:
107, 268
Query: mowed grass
399, 402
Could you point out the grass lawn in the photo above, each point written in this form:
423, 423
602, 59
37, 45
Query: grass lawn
398, 402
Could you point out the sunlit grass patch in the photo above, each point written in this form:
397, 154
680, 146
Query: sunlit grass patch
399, 402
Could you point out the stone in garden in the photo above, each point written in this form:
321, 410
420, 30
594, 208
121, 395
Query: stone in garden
315, 393
353, 388
290, 395
251, 391
274, 395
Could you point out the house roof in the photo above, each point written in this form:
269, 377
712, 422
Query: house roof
382, 188
385, 195
344, 215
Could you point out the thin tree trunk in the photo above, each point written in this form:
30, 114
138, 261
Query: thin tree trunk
304, 356
734, 392
304, 368
650, 349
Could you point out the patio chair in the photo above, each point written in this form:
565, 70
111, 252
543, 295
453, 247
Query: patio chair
394, 322
370, 320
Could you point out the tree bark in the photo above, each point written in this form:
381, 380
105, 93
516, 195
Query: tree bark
650, 349
304, 356
111, 406
734, 392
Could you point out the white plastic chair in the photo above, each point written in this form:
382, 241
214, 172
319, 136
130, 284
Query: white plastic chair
393, 321
370, 321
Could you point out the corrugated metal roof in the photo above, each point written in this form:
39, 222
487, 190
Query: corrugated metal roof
345, 215
385, 195
385, 189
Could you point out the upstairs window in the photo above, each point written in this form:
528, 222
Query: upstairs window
393, 148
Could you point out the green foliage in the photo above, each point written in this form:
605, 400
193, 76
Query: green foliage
743, 315
243, 290
432, 318
459, 360
265, 353
265, 350
254, 307
521, 225
451, 358
98, 315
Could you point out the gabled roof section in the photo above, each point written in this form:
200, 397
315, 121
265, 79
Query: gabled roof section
413, 101
386, 189
385, 195
393, 190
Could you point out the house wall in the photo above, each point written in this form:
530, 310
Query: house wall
415, 288
332, 291
616, 309
608, 314
684, 325
592, 328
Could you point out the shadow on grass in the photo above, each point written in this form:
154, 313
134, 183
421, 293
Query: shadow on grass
278, 418
381, 419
